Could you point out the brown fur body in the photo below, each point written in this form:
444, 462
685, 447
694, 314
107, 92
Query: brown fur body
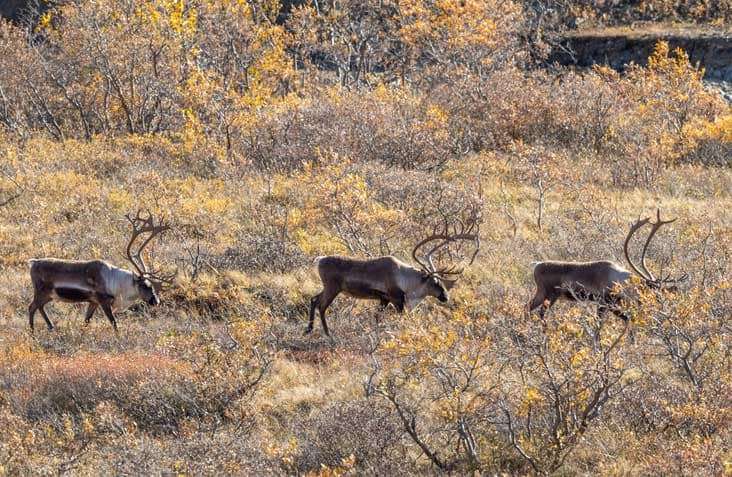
599, 281
594, 281
95, 282
386, 279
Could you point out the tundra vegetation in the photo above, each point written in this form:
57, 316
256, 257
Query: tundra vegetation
356, 128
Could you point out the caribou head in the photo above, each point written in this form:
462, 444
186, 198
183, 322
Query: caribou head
436, 281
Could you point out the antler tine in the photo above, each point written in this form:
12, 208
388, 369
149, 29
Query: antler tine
445, 239
141, 225
633, 229
148, 224
654, 228
154, 230
454, 270
167, 278
682, 278
452, 226
430, 266
425, 267
136, 231
451, 270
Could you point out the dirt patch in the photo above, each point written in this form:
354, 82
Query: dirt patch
618, 47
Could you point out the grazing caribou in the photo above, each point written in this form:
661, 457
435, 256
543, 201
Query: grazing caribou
388, 279
97, 282
599, 281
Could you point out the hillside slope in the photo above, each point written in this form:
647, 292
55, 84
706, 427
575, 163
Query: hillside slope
710, 48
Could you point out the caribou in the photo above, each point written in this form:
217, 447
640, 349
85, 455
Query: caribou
97, 282
601, 281
390, 280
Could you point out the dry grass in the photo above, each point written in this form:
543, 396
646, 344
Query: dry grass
258, 180
657, 31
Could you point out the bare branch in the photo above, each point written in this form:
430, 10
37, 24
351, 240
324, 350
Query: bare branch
19, 191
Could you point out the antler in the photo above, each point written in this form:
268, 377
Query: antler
633, 229
654, 228
453, 229
643, 271
142, 225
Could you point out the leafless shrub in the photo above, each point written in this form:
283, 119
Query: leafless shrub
390, 129
363, 428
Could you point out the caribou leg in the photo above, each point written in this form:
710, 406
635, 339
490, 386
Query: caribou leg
612, 303
544, 307
400, 304
315, 301
384, 298
37, 304
539, 301
399, 299
45, 316
381, 308
626, 319
602, 310
326, 298
32, 311
106, 302
90, 312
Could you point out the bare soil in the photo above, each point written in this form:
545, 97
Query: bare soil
709, 46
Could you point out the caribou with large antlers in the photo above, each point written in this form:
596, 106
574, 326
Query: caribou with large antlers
600, 281
97, 282
388, 279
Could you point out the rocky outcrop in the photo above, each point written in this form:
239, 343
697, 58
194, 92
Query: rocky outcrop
617, 47
14, 9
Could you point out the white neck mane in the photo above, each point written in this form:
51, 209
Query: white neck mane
121, 284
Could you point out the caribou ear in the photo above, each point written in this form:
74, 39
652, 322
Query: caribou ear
448, 283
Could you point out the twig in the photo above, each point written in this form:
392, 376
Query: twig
17, 194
